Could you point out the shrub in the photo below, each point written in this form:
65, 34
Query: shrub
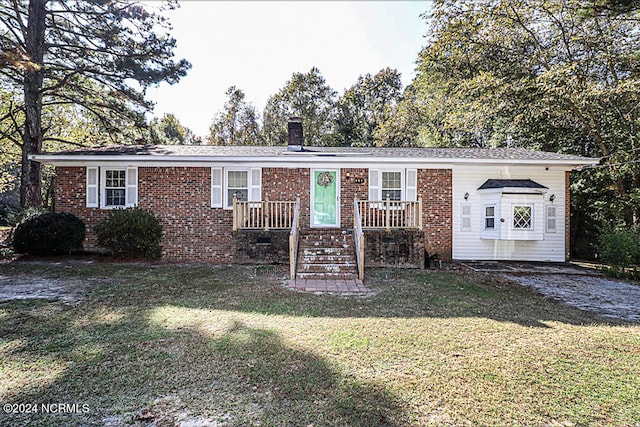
15, 217
620, 248
131, 232
51, 233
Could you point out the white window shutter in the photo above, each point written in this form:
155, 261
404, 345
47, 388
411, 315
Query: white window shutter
412, 185
255, 185
92, 187
132, 187
465, 217
551, 219
374, 184
216, 187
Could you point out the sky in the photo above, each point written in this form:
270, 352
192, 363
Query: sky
258, 45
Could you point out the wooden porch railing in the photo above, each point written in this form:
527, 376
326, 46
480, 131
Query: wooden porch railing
358, 238
293, 240
264, 215
389, 214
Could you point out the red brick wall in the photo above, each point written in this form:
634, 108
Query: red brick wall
70, 196
435, 188
195, 232
350, 190
288, 184
181, 198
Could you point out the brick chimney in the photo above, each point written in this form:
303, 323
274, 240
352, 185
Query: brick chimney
295, 134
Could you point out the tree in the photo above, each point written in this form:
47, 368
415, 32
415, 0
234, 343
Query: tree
84, 54
402, 125
308, 96
366, 105
237, 123
544, 75
169, 130
611, 7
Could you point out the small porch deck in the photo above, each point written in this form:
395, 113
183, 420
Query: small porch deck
385, 215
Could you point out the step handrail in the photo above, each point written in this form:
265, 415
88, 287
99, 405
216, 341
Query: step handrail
293, 240
358, 239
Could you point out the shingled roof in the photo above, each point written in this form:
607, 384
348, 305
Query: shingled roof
510, 183
204, 151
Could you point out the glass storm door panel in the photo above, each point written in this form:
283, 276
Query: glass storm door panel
325, 198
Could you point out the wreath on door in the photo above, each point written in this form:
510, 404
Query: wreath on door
325, 179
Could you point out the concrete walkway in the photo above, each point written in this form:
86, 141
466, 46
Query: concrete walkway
318, 287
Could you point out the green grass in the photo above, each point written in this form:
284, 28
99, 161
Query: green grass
230, 345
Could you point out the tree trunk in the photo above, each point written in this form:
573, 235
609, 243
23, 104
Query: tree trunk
30, 180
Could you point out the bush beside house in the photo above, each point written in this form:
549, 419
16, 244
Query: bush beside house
621, 250
49, 233
131, 232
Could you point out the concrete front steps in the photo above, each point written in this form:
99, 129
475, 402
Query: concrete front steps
326, 254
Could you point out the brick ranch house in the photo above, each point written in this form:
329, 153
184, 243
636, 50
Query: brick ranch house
328, 210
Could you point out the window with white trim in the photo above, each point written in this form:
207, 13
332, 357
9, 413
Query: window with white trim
490, 217
243, 184
522, 217
115, 188
391, 185
399, 184
465, 217
110, 187
237, 186
551, 219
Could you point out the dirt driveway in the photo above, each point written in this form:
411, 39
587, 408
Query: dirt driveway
573, 285
33, 287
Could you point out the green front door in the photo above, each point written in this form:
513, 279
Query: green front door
325, 198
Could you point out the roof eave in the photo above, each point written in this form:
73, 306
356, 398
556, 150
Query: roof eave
67, 159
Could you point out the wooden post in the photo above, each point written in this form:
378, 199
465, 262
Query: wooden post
292, 256
355, 206
420, 212
235, 219
387, 224
265, 213
361, 266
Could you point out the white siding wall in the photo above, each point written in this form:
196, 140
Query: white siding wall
468, 244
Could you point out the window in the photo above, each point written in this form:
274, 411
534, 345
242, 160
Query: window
244, 185
465, 217
551, 219
522, 216
398, 184
111, 187
489, 217
392, 185
115, 188
237, 186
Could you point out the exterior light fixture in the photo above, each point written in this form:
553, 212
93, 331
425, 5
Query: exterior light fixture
466, 196
552, 198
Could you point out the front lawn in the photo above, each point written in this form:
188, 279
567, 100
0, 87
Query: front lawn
230, 346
